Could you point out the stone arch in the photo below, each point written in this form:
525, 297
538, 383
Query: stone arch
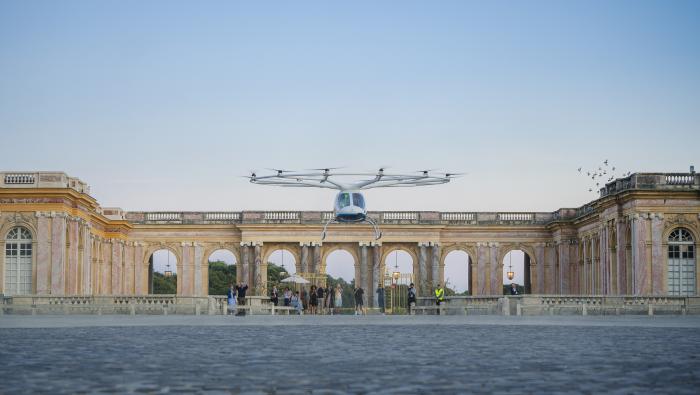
211, 249
151, 249
529, 263
446, 251
348, 247
269, 249
411, 249
470, 249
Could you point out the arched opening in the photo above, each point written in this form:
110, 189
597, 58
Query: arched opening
398, 275
340, 272
222, 271
516, 264
18, 262
457, 273
280, 265
681, 263
162, 273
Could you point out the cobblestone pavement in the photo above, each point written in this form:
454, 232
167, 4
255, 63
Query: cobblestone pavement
329, 355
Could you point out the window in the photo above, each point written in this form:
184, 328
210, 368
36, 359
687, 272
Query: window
681, 263
358, 200
18, 262
343, 200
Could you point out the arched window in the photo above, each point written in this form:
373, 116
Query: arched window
681, 263
18, 262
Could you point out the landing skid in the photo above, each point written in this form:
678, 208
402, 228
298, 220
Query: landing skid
377, 233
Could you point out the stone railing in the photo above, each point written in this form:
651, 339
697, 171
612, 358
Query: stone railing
124, 304
656, 181
41, 179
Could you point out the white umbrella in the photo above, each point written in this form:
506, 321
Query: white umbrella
296, 279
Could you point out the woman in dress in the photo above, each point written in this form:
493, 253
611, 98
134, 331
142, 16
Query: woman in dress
313, 300
231, 299
274, 297
338, 298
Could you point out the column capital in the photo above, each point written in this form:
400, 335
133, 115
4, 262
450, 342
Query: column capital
423, 243
365, 243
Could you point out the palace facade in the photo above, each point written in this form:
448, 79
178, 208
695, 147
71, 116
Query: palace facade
639, 237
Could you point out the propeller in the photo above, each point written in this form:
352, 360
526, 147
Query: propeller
453, 174
279, 171
327, 169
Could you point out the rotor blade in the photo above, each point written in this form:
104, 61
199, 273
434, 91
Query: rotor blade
327, 168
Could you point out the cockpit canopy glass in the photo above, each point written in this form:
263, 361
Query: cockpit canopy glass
343, 200
358, 200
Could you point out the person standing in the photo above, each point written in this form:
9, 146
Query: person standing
274, 297
287, 297
296, 303
338, 298
359, 301
513, 289
320, 298
411, 298
313, 300
231, 299
330, 299
380, 298
439, 296
241, 290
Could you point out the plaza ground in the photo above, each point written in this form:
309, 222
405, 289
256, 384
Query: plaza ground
349, 354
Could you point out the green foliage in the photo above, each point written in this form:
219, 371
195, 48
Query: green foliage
163, 284
220, 276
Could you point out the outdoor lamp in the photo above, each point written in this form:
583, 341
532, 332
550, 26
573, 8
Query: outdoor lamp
396, 275
510, 273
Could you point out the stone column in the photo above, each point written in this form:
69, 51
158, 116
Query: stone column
639, 254
495, 272
58, 253
259, 281
72, 244
198, 280
480, 288
184, 275
305, 258
376, 275
364, 268
563, 251
527, 277
128, 278
621, 256
116, 267
139, 271
242, 276
86, 237
435, 263
539, 258
422, 279
43, 254
550, 268
317, 257
658, 286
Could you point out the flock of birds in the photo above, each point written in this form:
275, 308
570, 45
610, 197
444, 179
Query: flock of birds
605, 171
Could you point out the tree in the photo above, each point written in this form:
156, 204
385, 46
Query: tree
164, 284
221, 276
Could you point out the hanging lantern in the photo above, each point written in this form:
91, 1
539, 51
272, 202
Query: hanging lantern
168, 272
510, 272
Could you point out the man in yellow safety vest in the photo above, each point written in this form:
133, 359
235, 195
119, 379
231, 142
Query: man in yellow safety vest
439, 295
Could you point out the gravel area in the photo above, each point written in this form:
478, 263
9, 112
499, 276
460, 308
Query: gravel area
221, 355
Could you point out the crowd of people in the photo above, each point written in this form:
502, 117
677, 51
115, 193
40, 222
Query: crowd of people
318, 300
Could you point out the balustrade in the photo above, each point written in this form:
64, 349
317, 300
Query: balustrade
458, 216
516, 216
20, 178
161, 216
680, 179
222, 216
399, 216
281, 215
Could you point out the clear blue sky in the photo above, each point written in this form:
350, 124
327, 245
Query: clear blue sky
159, 105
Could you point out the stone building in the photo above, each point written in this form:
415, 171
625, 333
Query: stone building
639, 238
